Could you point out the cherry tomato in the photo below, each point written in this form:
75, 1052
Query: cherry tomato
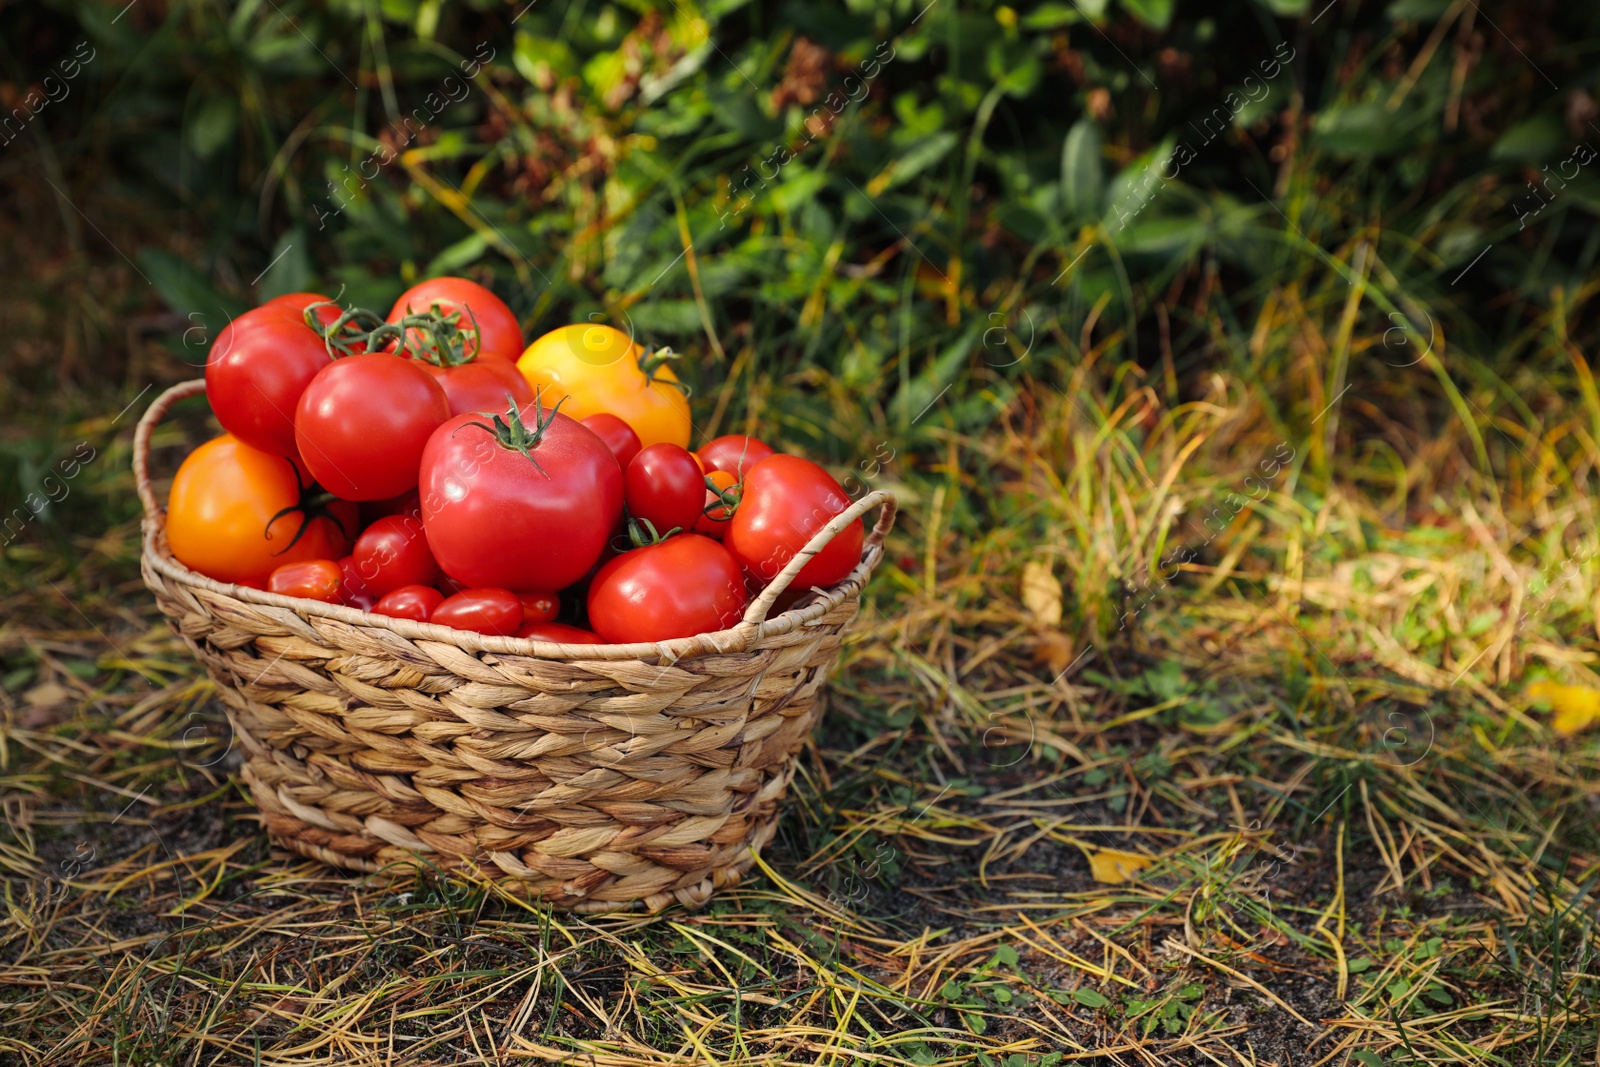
484, 611
497, 326
393, 552
524, 501
229, 515
734, 452
602, 370
618, 436
353, 590
715, 512
683, 586
539, 607
664, 486
481, 385
786, 500
363, 422
409, 602
316, 579
559, 631
257, 368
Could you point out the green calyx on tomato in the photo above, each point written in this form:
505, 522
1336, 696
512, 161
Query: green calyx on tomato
657, 358
513, 433
313, 503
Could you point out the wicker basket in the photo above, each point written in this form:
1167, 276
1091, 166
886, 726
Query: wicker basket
593, 777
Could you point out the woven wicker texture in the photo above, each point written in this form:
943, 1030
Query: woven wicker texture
594, 777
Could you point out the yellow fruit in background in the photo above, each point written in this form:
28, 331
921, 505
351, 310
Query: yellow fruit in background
599, 369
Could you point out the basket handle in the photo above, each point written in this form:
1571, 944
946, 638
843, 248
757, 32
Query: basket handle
769, 596
141, 439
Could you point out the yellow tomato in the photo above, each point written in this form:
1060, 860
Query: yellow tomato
599, 369
223, 516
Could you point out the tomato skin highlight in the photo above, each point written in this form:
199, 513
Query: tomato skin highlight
257, 369
786, 500
316, 579
685, 585
363, 423
734, 452
224, 495
496, 612
664, 485
598, 368
618, 436
498, 327
393, 552
539, 607
715, 515
559, 631
495, 518
481, 385
415, 602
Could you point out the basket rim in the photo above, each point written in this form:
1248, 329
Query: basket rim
741, 637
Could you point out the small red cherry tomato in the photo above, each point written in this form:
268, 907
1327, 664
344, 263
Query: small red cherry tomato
618, 436
317, 579
713, 520
353, 592
393, 552
683, 586
664, 486
559, 631
539, 607
497, 612
734, 452
409, 602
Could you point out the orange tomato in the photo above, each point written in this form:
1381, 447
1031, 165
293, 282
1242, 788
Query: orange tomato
599, 369
223, 514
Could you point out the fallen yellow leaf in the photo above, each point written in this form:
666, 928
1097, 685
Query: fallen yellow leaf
1041, 593
1577, 707
1112, 866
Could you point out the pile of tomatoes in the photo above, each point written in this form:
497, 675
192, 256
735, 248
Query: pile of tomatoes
428, 466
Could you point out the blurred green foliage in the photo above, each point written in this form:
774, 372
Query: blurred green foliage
890, 205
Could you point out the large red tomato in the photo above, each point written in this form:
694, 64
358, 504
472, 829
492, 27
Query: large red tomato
327, 312
363, 422
471, 303
785, 501
256, 371
237, 514
685, 585
524, 501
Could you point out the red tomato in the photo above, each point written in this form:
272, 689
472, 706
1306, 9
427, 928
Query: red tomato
236, 514
715, 513
618, 436
683, 586
256, 371
735, 452
409, 602
664, 486
353, 591
498, 328
316, 579
363, 422
539, 607
526, 503
485, 611
559, 631
481, 385
393, 552
786, 500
